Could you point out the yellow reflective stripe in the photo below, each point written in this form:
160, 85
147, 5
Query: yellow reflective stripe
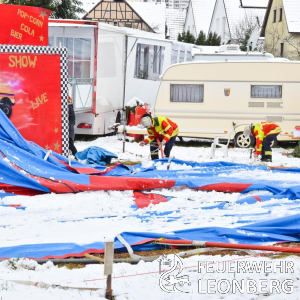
166, 135
276, 130
167, 128
149, 140
175, 132
268, 152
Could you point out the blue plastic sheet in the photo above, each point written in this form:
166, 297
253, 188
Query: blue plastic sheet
96, 155
276, 230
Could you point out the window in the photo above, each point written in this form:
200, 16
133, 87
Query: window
187, 93
51, 41
266, 91
149, 61
280, 14
182, 54
79, 56
189, 55
174, 55
281, 49
274, 15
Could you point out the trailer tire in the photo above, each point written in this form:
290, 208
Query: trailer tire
241, 142
6, 108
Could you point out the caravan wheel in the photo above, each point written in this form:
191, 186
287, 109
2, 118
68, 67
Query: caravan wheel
241, 142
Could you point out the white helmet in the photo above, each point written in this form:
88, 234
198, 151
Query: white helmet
146, 121
247, 131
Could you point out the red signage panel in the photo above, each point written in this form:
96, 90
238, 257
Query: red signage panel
30, 95
23, 25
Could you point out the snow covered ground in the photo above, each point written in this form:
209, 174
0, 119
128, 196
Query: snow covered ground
99, 216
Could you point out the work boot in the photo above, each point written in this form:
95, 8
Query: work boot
266, 159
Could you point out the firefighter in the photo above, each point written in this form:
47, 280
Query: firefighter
160, 128
265, 133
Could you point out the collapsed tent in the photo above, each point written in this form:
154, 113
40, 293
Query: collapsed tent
28, 169
277, 230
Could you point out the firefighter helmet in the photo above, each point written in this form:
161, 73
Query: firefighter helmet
146, 120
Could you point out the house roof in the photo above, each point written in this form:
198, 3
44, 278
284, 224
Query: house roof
202, 11
292, 15
154, 14
235, 13
254, 3
175, 22
87, 5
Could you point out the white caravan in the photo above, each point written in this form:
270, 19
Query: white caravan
207, 99
98, 57
227, 53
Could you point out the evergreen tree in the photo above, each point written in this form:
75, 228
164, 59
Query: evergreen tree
183, 36
61, 9
201, 38
179, 37
209, 39
189, 38
216, 40
244, 41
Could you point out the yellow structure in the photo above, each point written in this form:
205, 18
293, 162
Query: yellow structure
281, 29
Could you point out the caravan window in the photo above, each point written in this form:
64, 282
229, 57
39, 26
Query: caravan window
174, 55
187, 93
79, 56
149, 61
182, 54
266, 91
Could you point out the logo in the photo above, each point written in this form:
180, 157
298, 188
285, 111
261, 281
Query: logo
167, 280
227, 92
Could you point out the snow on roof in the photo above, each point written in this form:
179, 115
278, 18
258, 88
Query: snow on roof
255, 3
175, 22
154, 14
203, 11
87, 5
292, 14
236, 14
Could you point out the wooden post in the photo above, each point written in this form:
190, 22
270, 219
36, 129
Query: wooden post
108, 267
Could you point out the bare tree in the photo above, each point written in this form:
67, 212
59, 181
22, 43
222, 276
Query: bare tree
294, 42
273, 41
243, 29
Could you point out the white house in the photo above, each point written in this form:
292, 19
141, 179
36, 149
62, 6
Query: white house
175, 19
198, 17
229, 14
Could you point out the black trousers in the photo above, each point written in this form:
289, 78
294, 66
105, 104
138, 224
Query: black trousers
71, 140
266, 152
154, 149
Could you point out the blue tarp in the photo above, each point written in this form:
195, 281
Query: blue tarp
276, 230
96, 155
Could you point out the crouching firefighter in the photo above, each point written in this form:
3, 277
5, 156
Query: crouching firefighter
265, 133
160, 128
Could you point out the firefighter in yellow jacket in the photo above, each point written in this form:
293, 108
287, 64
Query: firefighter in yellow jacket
161, 128
265, 133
